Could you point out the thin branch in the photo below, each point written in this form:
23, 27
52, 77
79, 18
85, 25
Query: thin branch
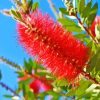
88, 76
8, 88
12, 64
86, 29
53, 8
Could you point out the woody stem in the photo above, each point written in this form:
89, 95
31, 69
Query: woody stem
86, 29
8, 88
12, 64
88, 77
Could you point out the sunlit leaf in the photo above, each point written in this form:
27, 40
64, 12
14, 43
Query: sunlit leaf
92, 14
80, 5
70, 25
94, 62
86, 10
35, 6
64, 11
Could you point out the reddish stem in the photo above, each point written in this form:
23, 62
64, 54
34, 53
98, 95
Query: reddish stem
86, 29
88, 77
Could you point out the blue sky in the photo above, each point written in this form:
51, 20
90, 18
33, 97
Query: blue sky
9, 46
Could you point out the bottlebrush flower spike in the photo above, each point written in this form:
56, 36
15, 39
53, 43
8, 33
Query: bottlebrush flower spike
57, 49
39, 86
93, 26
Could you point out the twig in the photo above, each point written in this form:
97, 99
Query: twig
8, 88
14, 65
86, 29
53, 8
88, 76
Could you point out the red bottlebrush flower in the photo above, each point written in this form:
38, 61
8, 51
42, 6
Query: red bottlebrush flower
39, 86
93, 26
57, 49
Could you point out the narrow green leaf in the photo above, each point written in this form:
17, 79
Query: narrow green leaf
60, 82
25, 82
64, 11
70, 25
28, 65
66, 21
54, 94
20, 73
80, 36
92, 14
92, 46
84, 84
77, 4
87, 40
16, 15
80, 90
71, 93
30, 95
35, 6
94, 62
73, 28
7, 96
86, 10
81, 5
25, 89
30, 2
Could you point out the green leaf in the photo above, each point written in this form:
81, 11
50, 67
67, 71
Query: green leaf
94, 62
43, 72
84, 84
71, 93
8, 96
28, 65
26, 82
73, 28
25, 89
16, 15
20, 73
35, 6
54, 94
81, 5
66, 21
97, 97
30, 2
77, 4
80, 90
87, 40
64, 11
30, 95
92, 46
70, 25
92, 14
80, 36
86, 10
42, 95
13, 13
59, 82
